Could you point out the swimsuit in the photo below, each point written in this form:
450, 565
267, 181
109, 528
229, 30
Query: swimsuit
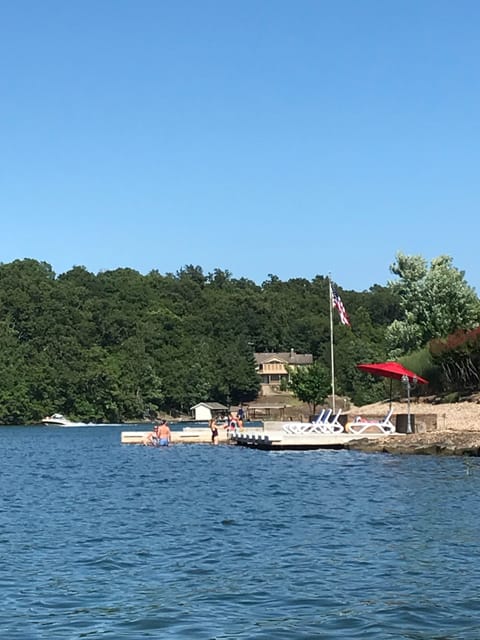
164, 435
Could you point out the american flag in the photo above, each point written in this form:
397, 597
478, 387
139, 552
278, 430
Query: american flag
338, 304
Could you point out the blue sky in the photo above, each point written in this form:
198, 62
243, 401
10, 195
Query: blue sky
292, 138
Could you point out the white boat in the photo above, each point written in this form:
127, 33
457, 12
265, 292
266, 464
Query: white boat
59, 420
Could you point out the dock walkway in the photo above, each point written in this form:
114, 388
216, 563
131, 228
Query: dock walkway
281, 441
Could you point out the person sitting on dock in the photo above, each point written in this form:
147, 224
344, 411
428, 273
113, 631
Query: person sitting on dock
232, 423
151, 439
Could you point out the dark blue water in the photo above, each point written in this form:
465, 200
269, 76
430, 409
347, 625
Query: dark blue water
100, 540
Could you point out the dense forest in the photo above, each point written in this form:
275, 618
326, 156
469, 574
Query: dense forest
119, 345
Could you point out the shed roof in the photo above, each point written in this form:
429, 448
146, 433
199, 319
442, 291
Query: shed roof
209, 405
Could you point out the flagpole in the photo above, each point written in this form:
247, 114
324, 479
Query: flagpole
332, 360
335, 301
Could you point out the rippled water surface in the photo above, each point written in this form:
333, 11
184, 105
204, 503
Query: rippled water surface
103, 540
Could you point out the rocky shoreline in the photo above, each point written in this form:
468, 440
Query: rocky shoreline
457, 430
448, 443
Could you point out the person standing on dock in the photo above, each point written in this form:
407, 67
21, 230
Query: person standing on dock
214, 430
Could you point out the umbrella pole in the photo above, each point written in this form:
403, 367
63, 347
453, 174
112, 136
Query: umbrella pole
409, 425
406, 381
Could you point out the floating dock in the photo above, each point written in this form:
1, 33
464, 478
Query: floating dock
274, 437
269, 437
304, 442
186, 435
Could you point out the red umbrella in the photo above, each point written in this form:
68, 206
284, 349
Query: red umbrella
396, 371
391, 370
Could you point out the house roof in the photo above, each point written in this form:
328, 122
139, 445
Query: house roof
286, 357
209, 405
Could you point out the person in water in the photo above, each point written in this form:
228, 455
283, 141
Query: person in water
164, 434
214, 430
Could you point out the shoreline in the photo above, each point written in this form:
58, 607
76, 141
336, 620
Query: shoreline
443, 443
457, 430
441, 429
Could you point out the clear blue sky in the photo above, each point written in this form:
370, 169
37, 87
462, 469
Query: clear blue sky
296, 137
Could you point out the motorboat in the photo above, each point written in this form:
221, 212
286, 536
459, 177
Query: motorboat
59, 420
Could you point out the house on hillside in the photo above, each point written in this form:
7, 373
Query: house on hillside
208, 410
271, 368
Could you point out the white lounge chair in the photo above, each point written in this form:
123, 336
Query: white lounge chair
320, 425
324, 424
305, 427
385, 426
329, 426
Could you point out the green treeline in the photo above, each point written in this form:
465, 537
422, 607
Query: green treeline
120, 345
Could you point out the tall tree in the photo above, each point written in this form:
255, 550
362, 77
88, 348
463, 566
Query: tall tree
435, 301
310, 384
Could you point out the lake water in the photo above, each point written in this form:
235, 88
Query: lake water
100, 540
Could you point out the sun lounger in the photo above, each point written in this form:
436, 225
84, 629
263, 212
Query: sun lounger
305, 427
329, 425
385, 426
320, 425
323, 424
